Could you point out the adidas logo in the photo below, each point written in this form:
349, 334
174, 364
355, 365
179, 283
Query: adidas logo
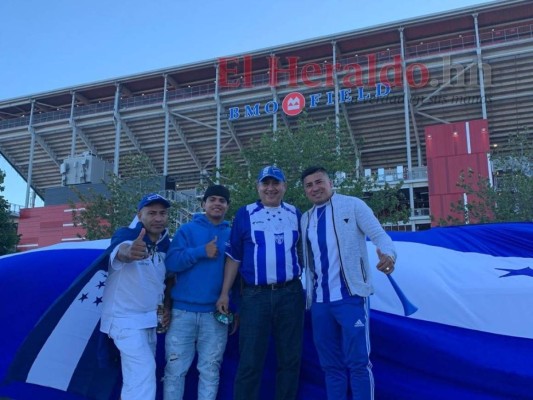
358, 324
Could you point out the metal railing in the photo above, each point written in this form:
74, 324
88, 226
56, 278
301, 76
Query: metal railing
14, 210
187, 201
421, 212
382, 175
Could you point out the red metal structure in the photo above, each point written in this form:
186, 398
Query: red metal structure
453, 150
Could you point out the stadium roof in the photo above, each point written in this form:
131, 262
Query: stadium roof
440, 47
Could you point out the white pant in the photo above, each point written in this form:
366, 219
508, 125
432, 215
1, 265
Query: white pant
137, 354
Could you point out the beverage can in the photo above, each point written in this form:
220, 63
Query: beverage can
160, 326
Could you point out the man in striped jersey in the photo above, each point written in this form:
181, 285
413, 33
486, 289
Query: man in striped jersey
338, 281
263, 249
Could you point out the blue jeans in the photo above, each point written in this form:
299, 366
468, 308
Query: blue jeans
264, 311
341, 336
190, 332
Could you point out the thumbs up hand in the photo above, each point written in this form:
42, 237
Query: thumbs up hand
211, 248
137, 250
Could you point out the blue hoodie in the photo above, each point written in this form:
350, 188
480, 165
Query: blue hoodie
198, 278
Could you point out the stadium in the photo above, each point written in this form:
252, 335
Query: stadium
465, 72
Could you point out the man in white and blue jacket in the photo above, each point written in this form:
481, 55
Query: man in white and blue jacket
196, 256
133, 289
334, 233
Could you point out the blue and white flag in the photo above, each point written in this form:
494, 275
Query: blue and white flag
62, 349
471, 337
65, 350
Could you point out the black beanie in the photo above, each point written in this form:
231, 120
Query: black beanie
216, 190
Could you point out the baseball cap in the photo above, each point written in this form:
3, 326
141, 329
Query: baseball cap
216, 190
152, 198
271, 172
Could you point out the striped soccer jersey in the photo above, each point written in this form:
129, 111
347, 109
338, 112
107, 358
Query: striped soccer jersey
263, 239
328, 280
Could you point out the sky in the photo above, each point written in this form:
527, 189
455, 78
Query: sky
56, 44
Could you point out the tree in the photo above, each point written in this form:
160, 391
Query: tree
509, 198
102, 214
8, 229
310, 143
292, 150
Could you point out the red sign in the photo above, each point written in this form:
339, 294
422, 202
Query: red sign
293, 104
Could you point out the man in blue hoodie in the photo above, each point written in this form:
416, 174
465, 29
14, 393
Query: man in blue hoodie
196, 256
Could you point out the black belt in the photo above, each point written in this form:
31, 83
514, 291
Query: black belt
275, 286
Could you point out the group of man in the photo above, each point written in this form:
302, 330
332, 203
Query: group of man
258, 261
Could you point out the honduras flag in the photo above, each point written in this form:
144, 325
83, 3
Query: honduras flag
61, 349
65, 350
471, 337
51, 299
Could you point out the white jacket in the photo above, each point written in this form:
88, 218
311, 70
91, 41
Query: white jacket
133, 291
353, 222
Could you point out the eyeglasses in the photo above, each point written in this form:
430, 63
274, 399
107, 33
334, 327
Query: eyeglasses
225, 319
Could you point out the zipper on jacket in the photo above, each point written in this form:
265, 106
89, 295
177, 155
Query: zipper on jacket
307, 245
363, 269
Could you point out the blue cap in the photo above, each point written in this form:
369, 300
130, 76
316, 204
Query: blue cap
271, 172
153, 198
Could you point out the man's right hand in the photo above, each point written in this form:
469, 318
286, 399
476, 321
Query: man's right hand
223, 303
137, 250
211, 248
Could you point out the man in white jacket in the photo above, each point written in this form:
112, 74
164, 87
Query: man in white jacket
339, 282
133, 290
